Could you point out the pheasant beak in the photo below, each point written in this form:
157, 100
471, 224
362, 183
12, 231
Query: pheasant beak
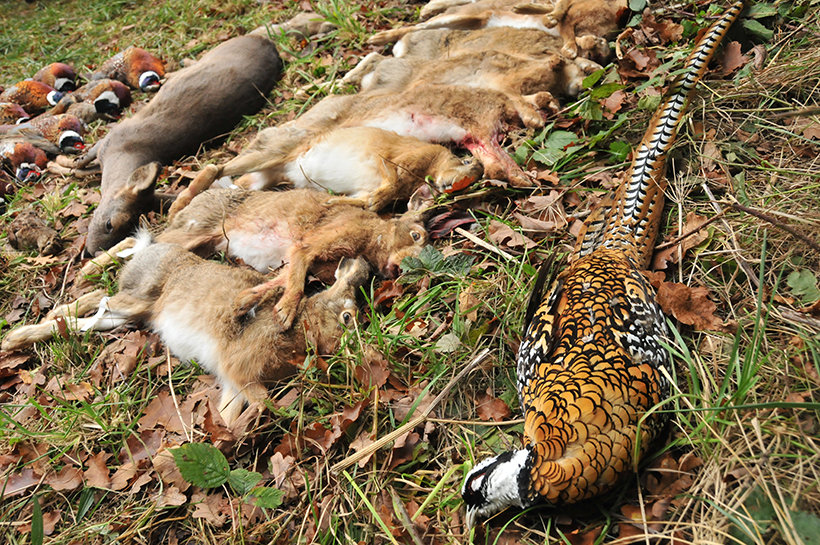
470, 518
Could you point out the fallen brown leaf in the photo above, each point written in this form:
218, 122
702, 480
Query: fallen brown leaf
732, 58
97, 473
504, 235
491, 408
20, 482
68, 478
691, 306
387, 293
213, 508
163, 413
170, 497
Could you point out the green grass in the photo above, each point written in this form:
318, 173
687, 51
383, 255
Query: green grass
746, 404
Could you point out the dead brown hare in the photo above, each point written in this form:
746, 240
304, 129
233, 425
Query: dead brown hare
189, 302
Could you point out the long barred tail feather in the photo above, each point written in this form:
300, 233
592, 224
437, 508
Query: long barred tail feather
629, 219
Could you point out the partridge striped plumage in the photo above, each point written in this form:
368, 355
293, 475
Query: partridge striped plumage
590, 363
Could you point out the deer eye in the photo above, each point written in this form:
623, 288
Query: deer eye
108, 226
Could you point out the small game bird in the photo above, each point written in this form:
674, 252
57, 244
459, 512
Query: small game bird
98, 99
11, 113
22, 158
58, 75
33, 96
135, 67
589, 365
63, 132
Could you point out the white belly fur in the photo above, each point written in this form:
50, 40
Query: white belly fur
424, 127
178, 329
262, 247
340, 165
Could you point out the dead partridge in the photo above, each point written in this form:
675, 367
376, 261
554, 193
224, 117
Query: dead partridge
65, 131
11, 113
29, 232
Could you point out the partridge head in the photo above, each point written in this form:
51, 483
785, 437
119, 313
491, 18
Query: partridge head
98, 99
65, 131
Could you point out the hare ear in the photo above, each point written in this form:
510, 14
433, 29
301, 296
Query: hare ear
143, 179
353, 272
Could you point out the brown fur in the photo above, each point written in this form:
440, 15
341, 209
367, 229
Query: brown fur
470, 117
29, 232
378, 167
511, 74
584, 25
297, 227
188, 302
199, 103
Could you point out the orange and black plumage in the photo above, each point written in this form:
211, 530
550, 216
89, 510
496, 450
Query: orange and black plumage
135, 67
97, 99
58, 75
55, 134
23, 159
33, 96
11, 113
590, 365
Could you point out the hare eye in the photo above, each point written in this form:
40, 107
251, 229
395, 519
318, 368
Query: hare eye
347, 317
416, 236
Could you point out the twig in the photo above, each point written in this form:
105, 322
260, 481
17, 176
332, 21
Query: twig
765, 217
747, 269
690, 233
392, 436
483, 244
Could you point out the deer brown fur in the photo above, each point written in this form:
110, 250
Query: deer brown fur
197, 104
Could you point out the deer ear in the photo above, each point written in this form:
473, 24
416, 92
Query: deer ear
142, 180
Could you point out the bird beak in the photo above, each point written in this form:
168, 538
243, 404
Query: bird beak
469, 519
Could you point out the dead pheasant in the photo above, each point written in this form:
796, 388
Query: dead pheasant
589, 366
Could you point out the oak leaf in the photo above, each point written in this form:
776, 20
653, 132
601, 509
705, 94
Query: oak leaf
732, 58
17, 483
504, 235
214, 508
691, 306
97, 474
491, 408
68, 478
